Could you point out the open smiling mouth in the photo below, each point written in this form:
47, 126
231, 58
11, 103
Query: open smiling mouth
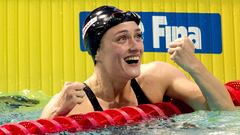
132, 60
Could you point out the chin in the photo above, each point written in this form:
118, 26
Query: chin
134, 74
131, 70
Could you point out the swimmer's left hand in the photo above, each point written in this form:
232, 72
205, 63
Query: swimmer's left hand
182, 52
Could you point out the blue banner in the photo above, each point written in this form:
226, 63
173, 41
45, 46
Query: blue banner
160, 28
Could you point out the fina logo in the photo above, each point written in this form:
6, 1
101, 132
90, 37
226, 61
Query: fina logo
160, 28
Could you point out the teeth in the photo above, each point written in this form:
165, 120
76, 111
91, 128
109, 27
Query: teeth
132, 58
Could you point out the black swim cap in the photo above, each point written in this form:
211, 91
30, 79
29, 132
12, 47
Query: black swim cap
99, 21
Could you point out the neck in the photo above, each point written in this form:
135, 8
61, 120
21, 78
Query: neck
108, 88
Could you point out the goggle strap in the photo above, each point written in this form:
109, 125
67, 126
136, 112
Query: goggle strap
89, 24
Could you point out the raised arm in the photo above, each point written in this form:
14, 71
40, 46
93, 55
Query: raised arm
64, 101
217, 98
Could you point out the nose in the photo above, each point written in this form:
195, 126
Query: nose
135, 45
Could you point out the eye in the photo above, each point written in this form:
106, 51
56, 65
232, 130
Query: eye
139, 36
122, 39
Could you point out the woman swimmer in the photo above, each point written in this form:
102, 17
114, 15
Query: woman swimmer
114, 40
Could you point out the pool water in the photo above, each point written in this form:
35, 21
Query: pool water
12, 116
197, 123
21, 106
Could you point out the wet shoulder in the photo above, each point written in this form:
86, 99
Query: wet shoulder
156, 66
158, 70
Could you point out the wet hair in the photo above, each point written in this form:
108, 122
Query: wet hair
99, 21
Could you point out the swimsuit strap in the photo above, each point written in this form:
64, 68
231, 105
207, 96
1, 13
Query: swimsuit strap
141, 97
91, 96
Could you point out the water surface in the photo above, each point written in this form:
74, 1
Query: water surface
196, 123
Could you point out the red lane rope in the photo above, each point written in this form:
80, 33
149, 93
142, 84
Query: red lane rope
4, 131
16, 129
234, 91
119, 116
51, 125
34, 127
152, 110
110, 117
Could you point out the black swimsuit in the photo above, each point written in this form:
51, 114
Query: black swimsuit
141, 97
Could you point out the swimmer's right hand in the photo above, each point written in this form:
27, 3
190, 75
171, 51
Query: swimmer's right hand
71, 94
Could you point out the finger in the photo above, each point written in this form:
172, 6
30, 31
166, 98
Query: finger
80, 94
178, 48
67, 86
77, 86
173, 56
67, 83
180, 39
187, 39
78, 100
171, 51
172, 45
78, 89
175, 52
175, 44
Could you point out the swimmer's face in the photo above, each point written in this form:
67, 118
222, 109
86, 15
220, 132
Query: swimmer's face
121, 50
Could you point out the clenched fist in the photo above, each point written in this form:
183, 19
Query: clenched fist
182, 52
71, 94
